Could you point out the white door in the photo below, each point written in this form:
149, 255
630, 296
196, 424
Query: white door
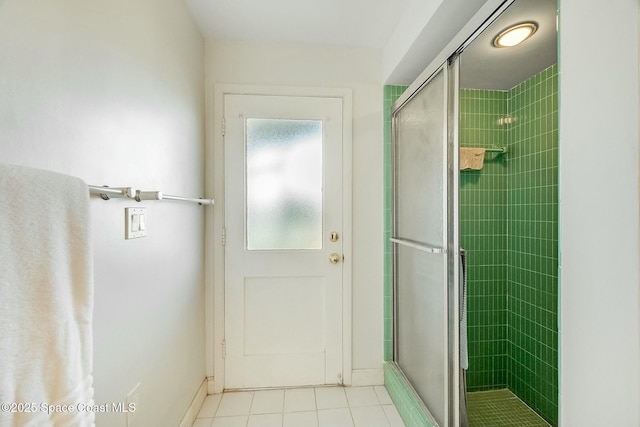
283, 247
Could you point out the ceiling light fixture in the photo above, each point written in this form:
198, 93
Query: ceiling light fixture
515, 35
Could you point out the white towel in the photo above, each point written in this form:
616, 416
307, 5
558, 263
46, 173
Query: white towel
46, 299
471, 158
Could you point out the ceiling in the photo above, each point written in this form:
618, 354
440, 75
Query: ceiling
353, 23
483, 66
370, 23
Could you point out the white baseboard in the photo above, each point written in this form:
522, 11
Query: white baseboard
196, 404
359, 378
211, 386
366, 377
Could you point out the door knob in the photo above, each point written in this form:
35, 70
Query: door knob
334, 258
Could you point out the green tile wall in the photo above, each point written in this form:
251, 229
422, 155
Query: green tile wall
509, 223
483, 234
403, 397
532, 247
391, 95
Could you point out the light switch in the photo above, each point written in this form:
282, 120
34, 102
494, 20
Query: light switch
135, 223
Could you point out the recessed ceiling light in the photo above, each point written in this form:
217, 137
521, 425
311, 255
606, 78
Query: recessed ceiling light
515, 35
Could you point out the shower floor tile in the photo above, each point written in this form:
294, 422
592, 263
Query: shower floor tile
500, 408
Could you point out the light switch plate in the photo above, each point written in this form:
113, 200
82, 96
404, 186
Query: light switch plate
133, 219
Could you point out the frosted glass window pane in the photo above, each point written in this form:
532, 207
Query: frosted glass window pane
284, 184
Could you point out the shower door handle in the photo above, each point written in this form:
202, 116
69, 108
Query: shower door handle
419, 246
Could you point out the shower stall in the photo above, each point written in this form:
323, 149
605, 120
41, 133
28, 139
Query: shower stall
478, 345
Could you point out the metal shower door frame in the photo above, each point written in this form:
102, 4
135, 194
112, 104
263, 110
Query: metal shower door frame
450, 251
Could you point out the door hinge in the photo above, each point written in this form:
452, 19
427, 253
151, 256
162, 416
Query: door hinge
224, 236
224, 349
223, 126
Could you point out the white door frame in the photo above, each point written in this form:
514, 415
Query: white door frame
214, 250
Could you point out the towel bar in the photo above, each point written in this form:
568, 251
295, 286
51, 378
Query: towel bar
499, 150
131, 193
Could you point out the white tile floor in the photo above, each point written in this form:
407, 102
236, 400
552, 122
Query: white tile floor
301, 407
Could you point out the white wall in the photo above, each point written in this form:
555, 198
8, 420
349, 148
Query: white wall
424, 30
112, 92
599, 279
359, 70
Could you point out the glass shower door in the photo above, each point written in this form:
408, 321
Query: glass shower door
423, 347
